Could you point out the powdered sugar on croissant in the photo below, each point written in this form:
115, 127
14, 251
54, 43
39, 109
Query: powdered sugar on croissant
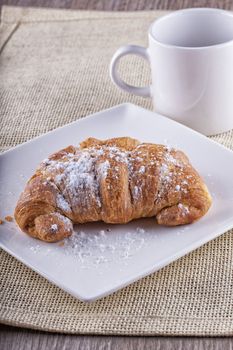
115, 181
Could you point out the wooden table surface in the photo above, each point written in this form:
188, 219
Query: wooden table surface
12, 338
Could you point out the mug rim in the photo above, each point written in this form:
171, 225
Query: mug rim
179, 12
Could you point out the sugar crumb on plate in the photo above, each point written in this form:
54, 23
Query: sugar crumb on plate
8, 218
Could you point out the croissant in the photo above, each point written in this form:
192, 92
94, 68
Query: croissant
115, 181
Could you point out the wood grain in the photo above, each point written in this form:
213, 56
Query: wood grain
19, 339
23, 339
122, 5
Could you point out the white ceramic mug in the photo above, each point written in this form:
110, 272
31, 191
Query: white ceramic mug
191, 58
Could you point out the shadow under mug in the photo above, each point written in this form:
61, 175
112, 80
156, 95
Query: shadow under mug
191, 58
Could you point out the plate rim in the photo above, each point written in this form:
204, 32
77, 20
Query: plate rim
146, 272
121, 105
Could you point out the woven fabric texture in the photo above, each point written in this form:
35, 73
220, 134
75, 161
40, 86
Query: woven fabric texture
54, 69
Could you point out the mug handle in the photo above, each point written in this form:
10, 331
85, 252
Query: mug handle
123, 51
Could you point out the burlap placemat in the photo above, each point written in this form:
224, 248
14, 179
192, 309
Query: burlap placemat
54, 69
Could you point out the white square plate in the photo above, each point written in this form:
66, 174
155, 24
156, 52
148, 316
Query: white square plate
100, 258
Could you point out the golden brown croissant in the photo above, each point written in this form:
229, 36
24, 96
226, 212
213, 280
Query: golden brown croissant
115, 181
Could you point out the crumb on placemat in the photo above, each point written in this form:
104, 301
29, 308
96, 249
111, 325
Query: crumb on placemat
61, 244
8, 218
1, 222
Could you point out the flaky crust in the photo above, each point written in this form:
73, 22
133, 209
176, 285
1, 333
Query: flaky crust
115, 181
